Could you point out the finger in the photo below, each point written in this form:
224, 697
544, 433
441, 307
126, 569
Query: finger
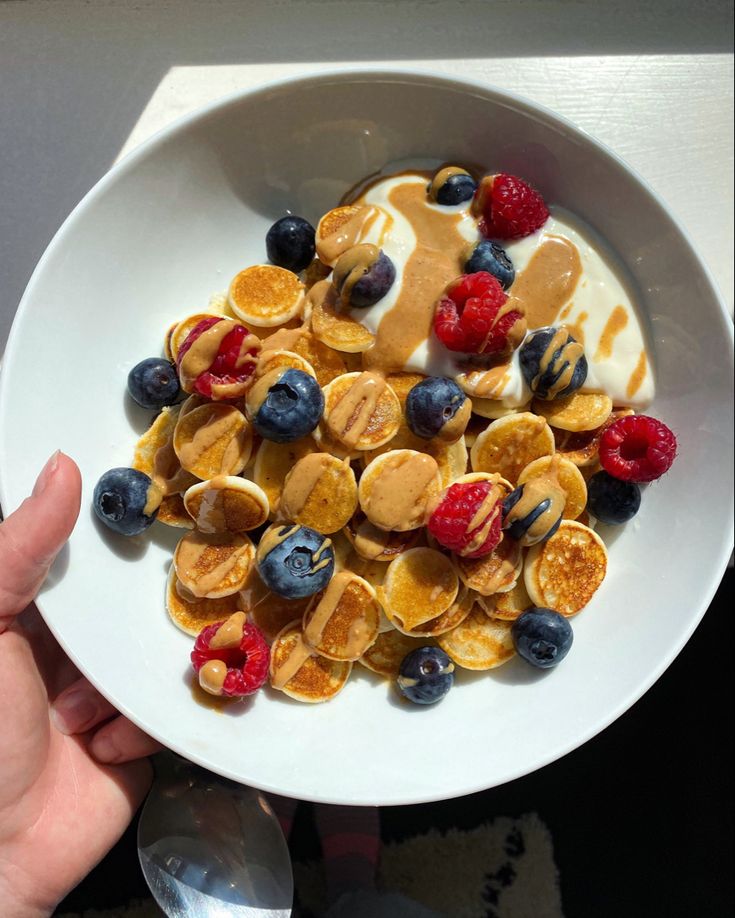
79, 708
121, 741
31, 537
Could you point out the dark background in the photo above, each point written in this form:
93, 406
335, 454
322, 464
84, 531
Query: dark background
641, 816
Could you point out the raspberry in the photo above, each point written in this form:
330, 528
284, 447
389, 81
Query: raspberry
247, 665
466, 317
227, 368
451, 523
637, 448
510, 208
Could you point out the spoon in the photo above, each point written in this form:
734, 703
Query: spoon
210, 848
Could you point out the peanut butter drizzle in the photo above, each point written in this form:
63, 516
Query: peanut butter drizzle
548, 281
484, 518
273, 536
326, 607
190, 551
301, 481
167, 471
229, 634
570, 353
637, 376
216, 428
535, 491
507, 561
435, 261
398, 495
349, 418
576, 328
614, 325
489, 383
284, 673
285, 339
370, 542
154, 496
352, 266
212, 676
259, 390
318, 565
350, 233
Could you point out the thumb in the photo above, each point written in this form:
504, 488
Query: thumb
31, 537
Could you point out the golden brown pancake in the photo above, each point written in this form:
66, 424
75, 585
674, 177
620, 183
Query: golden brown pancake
479, 642
213, 439
387, 653
308, 677
493, 573
273, 463
565, 571
226, 503
320, 491
191, 614
569, 478
342, 621
511, 443
213, 566
421, 584
266, 295
579, 411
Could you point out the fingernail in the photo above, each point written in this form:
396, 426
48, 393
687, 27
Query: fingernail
73, 712
47, 473
104, 750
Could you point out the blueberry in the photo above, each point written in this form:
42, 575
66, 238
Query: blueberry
294, 561
611, 500
154, 383
290, 243
491, 257
450, 188
432, 404
120, 499
542, 637
533, 516
291, 408
363, 275
425, 675
546, 357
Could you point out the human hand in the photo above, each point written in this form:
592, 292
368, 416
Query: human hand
72, 771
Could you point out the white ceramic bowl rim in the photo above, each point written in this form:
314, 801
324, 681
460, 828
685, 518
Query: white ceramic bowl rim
505, 97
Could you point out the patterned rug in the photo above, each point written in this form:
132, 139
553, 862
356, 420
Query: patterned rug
502, 869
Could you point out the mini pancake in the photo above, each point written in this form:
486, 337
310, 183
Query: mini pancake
342, 621
280, 359
297, 671
494, 573
570, 480
191, 614
268, 611
402, 383
273, 463
326, 363
583, 448
213, 566
421, 584
332, 324
450, 458
266, 295
479, 642
579, 411
511, 443
320, 491
361, 411
476, 426
155, 456
565, 571
507, 606
341, 228
388, 652
493, 409
178, 334
397, 488
455, 615
375, 544
172, 512
226, 504
212, 440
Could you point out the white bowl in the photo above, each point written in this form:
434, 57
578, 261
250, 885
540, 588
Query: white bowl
170, 225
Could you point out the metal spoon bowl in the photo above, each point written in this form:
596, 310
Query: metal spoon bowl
210, 848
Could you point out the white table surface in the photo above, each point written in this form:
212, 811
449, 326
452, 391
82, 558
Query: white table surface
82, 83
